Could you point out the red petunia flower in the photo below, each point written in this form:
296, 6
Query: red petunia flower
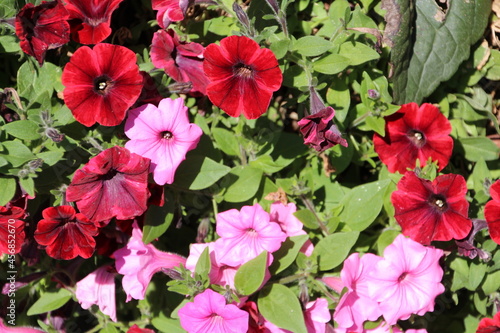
170, 11
242, 76
319, 131
492, 212
65, 233
429, 211
112, 184
414, 132
90, 19
41, 28
11, 229
101, 84
182, 61
489, 325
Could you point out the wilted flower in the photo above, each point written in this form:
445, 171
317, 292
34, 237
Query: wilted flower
41, 28
170, 11
112, 184
319, 131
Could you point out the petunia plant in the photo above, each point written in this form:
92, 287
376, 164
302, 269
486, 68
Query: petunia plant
250, 166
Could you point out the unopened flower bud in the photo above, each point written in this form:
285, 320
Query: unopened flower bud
54, 134
203, 228
241, 15
373, 94
172, 273
315, 101
180, 87
274, 6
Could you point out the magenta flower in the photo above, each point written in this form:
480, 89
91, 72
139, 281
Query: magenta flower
210, 313
290, 225
16, 329
320, 132
429, 211
162, 134
138, 263
170, 11
182, 61
356, 306
407, 280
112, 184
245, 234
98, 288
316, 315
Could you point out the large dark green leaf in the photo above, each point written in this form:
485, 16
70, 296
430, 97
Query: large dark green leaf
441, 42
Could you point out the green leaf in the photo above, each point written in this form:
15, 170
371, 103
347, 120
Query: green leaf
8, 186
441, 43
331, 64
280, 306
266, 164
199, 172
23, 129
51, 157
49, 301
9, 44
16, 153
287, 253
225, 141
311, 46
333, 249
476, 275
479, 148
357, 53
250, 275
491, 283
307, 218
158, 219
204, 264
280, 47
167, 325
28, 184
109, 328
363, 204
246, 185
339, 97
287, 148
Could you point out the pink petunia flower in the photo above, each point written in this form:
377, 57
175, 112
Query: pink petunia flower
66, 233
162, 134
138, 263
90, 19
101, 84
210, 313
356, 306
290, 225
245, 234
407, 280
492, 212
319, 131
413, 133
170, 11
429, 211
98, 288
182, 61
17, 329
316, 315
242, 76
41, 28
112, 184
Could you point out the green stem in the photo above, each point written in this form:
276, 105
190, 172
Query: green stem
291, 278
310, 206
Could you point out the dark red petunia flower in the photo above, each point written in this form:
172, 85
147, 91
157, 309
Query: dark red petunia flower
137, 329
11, 229
319, 131
112, 184
414, 132
41, 28
66, 233
489, 325
429, 211
492, 212
90, 19
149, 93
182, 61
101, 84
242, 76
170, 11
